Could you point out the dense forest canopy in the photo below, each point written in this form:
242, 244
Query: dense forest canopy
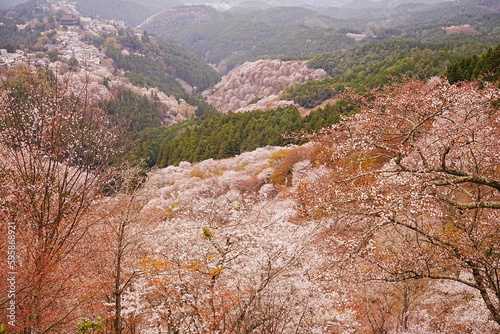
215, 37
229, 135
376, 64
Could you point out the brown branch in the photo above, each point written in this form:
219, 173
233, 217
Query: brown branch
467, 178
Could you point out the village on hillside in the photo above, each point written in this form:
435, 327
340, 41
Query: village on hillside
65, 42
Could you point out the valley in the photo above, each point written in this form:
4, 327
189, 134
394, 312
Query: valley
249, 167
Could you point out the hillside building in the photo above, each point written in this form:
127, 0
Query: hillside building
68, 20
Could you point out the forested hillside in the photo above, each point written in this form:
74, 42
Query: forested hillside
229, 135
131, 12
359, 69
258, 85
376, 64
366, 215
233, 38
485, 67
159, 64
215, 37
333, 170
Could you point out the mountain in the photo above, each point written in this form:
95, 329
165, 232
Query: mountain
6, 4
345, 180
240, 4
216, 36
131, 12
412, 15
225, 4
176, 18
368, 4
283, 16
227, 39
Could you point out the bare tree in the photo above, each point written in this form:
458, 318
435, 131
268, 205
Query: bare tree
54, 155
122, 228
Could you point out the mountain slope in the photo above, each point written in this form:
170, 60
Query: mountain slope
216, 36
227, 39
131, 12
257, 85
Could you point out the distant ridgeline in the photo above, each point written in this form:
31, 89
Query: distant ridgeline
455, 33
229, 38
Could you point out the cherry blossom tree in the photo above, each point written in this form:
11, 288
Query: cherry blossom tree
412, 188
225, 259
55, 149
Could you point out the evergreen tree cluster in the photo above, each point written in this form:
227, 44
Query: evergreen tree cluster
134, 112
313, 93
158, 66
361, 65
224, 136
220, 136
374, 65
11, 38
144, 72
230, 38
485, 66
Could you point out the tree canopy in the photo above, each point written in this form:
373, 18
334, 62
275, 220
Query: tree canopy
413, 187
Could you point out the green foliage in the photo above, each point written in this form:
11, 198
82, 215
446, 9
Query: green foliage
203, 109
11, 38
161, 64
374, 65
144, 71
231, 38
28, 10
164, 82
132, 13
208, 233
86, 326
217, 41
486, 67
236, 38
147, 136
219, 136
312, 93
141, 121
145, 147
297, 42
73, 64
281, 16
421, 59
146, 144
330, 114
426, 24
223, 136
53, 55
187, 66
134, 112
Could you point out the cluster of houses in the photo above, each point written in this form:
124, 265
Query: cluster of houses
68, 44
11, 59
88, 23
